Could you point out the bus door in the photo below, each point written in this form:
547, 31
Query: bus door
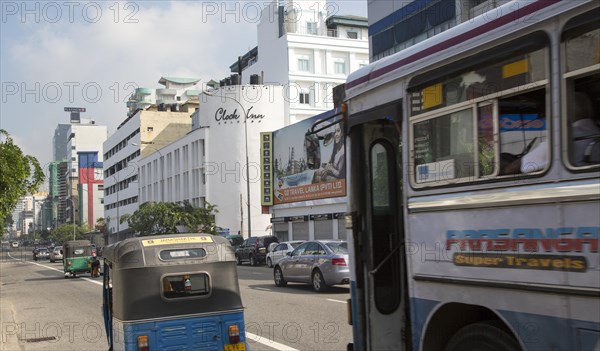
377, 205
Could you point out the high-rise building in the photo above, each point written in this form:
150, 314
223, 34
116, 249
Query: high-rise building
84, 172
155, 119
59, 142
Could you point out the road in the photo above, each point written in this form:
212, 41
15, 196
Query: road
42, 311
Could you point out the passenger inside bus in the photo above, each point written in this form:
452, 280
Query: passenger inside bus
585, 131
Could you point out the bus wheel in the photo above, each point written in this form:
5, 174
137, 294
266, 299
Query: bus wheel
278, 277
318, 281
482, 336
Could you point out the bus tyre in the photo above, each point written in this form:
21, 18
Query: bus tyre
278, 277
318, 281
482, 336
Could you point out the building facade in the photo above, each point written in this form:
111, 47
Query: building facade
146, 124
306, 52
84, 172
59, 142
209, 164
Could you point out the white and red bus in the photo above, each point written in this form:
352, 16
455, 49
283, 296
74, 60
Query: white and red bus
474, 189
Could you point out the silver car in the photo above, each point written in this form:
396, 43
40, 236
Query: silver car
280, 251
321, 263
56, 254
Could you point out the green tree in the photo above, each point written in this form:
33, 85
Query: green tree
155, 218
101, 225
19, 175
64, 232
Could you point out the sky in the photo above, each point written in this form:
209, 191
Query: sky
93, 54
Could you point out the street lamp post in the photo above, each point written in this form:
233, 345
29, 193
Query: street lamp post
67, 173
247, 160
72, 214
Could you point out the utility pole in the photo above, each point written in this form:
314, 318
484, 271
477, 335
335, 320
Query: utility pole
241, 216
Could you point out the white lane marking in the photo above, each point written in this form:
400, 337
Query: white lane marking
56, 269
265, 289
269, 343
332, 300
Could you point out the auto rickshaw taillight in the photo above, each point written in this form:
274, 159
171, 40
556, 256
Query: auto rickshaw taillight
142, 343
234, 334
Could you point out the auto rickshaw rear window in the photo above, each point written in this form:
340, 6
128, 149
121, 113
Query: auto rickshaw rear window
182, 254
188, 285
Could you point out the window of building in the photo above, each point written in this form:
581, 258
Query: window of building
304, 98
303, 64
339, 67
311, 28
352, 34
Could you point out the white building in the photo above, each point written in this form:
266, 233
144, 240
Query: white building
29, 213
155, 125
176, 92
209, 164
305, 52
309, 54
84, 171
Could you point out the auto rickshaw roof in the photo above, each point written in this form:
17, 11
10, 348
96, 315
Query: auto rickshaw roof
145, 251
77, 243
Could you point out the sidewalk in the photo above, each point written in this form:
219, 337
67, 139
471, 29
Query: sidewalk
9, 340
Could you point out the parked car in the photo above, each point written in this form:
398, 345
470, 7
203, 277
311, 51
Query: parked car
280, 250
254, 249
320, 262
41, 253
56, 254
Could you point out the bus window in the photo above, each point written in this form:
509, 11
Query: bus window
483, 121
583, 97
523, 133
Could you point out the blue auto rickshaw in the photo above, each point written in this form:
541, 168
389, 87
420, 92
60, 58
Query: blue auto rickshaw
172, 292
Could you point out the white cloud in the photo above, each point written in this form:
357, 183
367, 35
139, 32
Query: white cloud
50, 60
93, 65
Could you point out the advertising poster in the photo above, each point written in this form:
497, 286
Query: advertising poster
309, 159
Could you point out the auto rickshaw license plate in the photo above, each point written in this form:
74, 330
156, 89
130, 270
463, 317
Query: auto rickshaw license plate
235, 347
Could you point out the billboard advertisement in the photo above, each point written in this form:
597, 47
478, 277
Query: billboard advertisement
309, 159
